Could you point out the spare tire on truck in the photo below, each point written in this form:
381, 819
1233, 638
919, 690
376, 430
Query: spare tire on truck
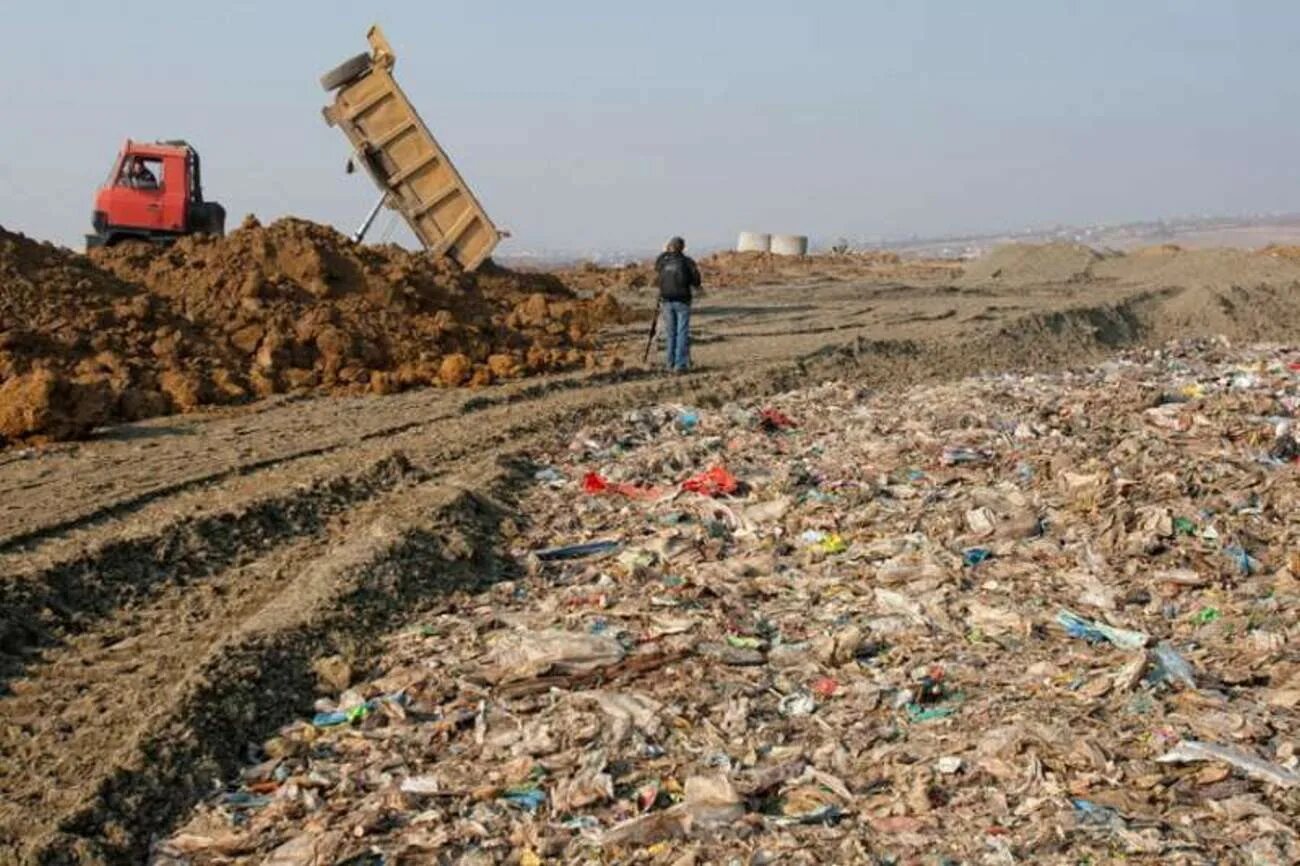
345, 72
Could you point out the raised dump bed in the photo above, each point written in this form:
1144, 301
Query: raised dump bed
405, 160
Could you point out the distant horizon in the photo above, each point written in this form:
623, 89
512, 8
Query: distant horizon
1029, 233
1025, 234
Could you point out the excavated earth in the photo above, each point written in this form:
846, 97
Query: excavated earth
170, 587
136, 331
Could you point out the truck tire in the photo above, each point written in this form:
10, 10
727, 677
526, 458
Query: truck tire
214, 219
345, 72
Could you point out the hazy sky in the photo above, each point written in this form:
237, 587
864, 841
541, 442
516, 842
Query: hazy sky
586, 125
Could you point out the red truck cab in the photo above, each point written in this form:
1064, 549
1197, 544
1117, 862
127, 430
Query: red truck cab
154, 192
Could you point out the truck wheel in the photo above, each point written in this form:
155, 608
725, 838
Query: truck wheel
209, 218
345, 72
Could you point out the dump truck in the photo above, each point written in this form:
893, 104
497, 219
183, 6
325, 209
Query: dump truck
414, 174
154, 192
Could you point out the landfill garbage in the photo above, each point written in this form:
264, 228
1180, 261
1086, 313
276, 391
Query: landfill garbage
596, 484
1091, 813
576, 551
1171, 666
799, 703
774, 420
549, 475
720, 690
826, 542
1192, 750
1077, 626
957, 455
716, 481
518, 656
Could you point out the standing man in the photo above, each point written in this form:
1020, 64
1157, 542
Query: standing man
678, 275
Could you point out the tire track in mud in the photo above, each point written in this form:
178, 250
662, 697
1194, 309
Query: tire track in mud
96, 512
120, 739
43, 607
29, 533
224, 654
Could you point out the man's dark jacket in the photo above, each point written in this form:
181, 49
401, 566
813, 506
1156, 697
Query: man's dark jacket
678, 274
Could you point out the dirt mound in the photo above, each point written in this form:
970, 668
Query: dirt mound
1032, 264
1160, 266
1217, 269
308, 308
137, 331
591, 277
1281, 251
80, 348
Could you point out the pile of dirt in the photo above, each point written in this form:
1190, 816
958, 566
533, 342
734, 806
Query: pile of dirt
309, 309
80, 348
591, 277
1032, 264
1289, 252
136, 330
1159, 266
1218, 269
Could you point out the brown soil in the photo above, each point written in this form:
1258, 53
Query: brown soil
308, 308
80, 347
1032, 264
137, 331
1282, 251
1163, 265
1207, 268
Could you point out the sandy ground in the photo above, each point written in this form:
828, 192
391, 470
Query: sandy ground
167, 586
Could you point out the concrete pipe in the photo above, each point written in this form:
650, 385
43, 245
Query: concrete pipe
790, 245
753, 242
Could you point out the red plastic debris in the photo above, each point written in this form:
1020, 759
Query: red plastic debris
646, 795
596, 484
825, 687
772, 420
715, 482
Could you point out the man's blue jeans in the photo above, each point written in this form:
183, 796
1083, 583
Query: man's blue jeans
677, 333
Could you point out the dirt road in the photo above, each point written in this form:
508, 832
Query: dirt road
167, 587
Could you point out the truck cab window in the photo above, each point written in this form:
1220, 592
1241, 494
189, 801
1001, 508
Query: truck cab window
141, 173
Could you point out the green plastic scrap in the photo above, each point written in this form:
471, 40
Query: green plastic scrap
1206, 615
918, 713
